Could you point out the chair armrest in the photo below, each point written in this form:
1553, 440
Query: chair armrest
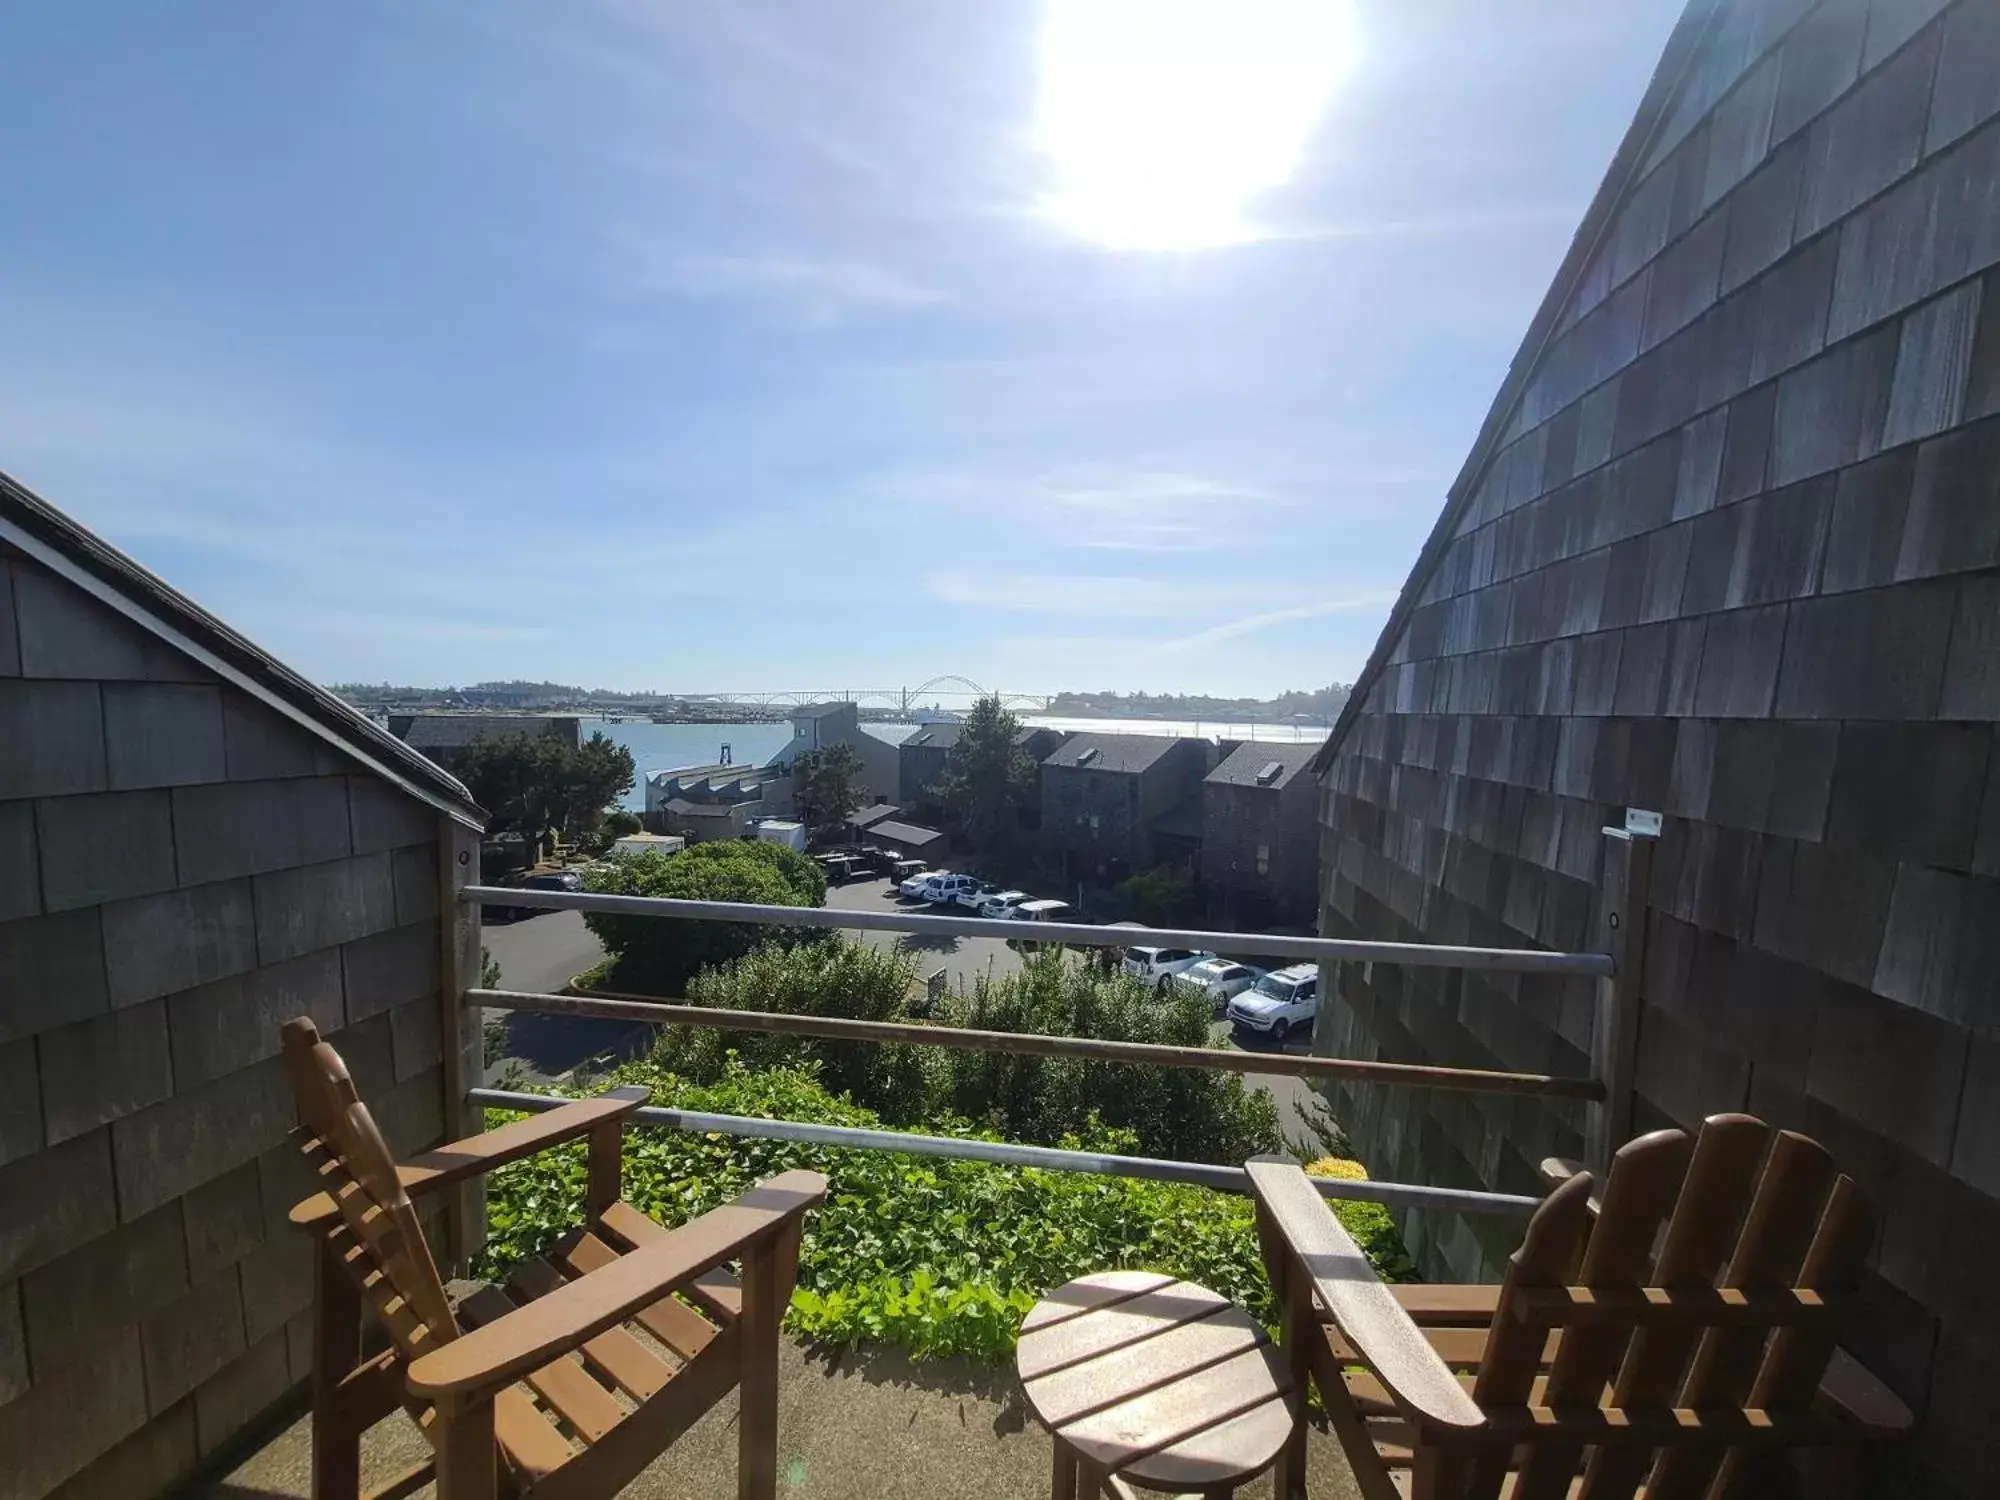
1357, 1302
477, 1155
577, 1312
1556, 1170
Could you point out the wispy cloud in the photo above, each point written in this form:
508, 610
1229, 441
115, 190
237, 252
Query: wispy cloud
1229, 630
813, 292
1146, 510
1103, 596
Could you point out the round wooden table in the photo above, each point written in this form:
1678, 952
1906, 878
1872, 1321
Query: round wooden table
1146, 1381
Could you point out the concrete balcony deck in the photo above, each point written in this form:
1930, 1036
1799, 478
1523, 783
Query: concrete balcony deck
862, 1425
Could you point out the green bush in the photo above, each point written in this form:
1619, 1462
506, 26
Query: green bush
1170, 1112
1160, 897
937, 1257
612, 827
656, 956
833, 978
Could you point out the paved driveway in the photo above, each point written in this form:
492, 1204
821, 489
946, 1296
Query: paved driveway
541, 954
963, 959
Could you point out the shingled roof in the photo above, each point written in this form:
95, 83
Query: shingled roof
447, 731
1626, 167
1247, 763
1126, 753
90, 563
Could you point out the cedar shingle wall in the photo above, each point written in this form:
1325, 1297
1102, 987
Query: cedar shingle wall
1235, 821
1735, 559
181, 870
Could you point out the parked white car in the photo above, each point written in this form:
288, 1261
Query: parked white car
975, 898
916, 882
999, 905
944, 888
1283, 1001
1155, 966
1218, 980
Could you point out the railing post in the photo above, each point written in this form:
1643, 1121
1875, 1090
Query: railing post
464, 1045
1625, 896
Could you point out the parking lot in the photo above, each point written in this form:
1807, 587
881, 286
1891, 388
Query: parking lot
963, 959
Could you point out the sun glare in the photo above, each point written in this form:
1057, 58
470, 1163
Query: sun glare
1165, 118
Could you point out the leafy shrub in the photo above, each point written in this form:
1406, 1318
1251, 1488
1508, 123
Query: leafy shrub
1160, 897
658, 957
833, 978
939, 1257
612, 827
1170, 1112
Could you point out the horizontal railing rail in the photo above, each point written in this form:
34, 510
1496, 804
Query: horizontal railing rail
612, 1007
1084, 934
1046, 1158
1603, 1090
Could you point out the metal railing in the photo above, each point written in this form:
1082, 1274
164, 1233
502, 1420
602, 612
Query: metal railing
1606, 1091
1083, 934
1046, 1158
612, 1007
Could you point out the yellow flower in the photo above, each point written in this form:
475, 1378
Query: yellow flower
1337, 1166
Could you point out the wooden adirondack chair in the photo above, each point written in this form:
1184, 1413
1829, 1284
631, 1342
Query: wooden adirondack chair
1601, 1363
523, 1387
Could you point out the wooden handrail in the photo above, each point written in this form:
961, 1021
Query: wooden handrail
612, 1006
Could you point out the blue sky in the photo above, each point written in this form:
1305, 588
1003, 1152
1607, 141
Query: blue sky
786, 346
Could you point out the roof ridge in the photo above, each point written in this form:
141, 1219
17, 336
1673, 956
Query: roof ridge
1591, 236
53, 539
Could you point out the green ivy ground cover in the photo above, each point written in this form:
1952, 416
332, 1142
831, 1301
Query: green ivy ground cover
937, 1257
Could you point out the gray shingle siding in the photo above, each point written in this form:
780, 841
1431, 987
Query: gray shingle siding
1793, 659
182, 868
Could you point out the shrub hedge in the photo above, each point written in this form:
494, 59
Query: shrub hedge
937, 1257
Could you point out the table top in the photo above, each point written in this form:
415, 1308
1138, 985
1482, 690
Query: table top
1162, 1382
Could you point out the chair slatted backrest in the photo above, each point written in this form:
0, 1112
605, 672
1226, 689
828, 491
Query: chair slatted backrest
379, 1241
1743, 1208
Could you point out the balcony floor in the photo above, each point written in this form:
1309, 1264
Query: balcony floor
870, 1426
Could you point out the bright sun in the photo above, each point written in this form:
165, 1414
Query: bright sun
1166, 117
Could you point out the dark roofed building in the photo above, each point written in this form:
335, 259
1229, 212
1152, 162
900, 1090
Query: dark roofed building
866, 818
1728, 547
909, 840
195, 844
923, 754
1259, 845
1103, 796
820, 726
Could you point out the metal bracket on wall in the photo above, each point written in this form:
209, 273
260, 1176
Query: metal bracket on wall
1625, 895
